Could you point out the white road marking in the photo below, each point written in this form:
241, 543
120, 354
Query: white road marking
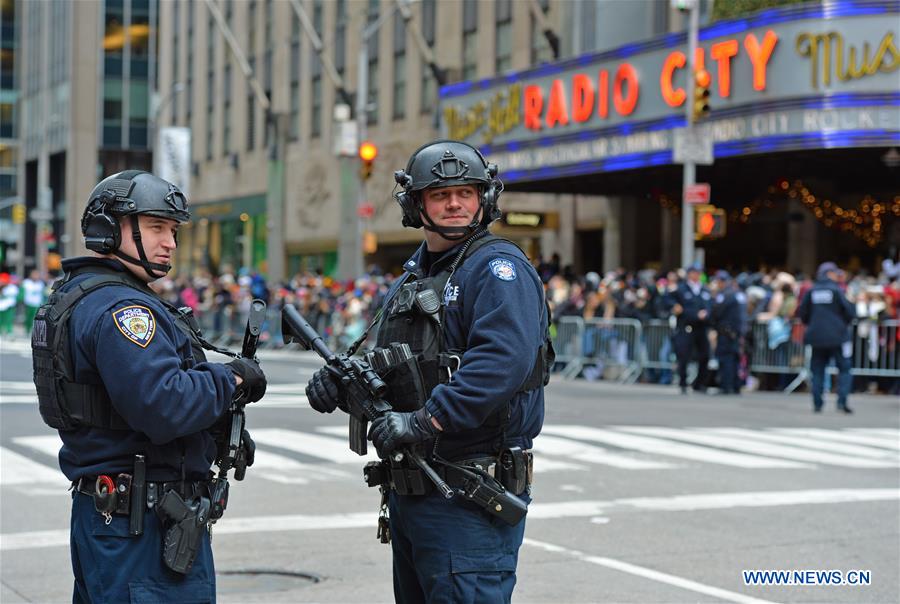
18, 469
807, 442
842, 436
48, 444
669, 448
314, 445
759, 448
18, 399
537, 511
284, 470
572, 449
647, 573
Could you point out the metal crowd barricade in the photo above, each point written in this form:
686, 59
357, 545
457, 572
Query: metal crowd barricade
602, 344
657, 345
775, 356
875, 349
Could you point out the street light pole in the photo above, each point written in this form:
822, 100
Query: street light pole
690, 168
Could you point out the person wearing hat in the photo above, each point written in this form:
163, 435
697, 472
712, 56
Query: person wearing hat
827, 314
729, 318
690, 304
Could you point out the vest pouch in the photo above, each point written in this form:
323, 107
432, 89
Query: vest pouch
406, 388
44, 363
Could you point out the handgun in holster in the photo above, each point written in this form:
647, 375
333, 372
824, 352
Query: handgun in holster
187, 523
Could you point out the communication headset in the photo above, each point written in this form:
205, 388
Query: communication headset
410, 204
102, 233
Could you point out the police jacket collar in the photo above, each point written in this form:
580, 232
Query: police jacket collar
416, 263
81, 262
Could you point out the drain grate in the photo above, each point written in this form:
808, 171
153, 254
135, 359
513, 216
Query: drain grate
262, 580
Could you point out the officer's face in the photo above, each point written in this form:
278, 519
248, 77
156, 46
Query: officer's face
451, 206
157, 237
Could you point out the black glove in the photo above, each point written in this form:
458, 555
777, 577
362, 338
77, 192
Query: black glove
253, 386
324, 392
396, 428
249, 448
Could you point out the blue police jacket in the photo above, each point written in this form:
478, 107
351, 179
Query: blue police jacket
827, 314
729, 318
126, 340
691, 304
493, 309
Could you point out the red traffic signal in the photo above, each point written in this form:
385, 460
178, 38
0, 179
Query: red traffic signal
710, 223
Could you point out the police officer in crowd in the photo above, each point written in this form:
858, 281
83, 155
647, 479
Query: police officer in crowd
690, 304
729, 318
827, 314
121, 375
471, 307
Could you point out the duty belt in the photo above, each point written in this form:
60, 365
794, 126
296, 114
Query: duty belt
88, 485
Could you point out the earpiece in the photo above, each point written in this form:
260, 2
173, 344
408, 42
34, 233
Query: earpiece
102, 233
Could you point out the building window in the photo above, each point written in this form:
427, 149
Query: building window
294, 132
176, 51
226, 110
340, 37
189, 79
139, 39
399, 96
251, 27
428, 97
503, 39
8, 120
251, 112
315, 115
372, 100
470, 40
540, 48
112, 112
113, 39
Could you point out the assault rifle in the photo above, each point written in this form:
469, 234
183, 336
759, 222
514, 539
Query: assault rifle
363, 387
235, 454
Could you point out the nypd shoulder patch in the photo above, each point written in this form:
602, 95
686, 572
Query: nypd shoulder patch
503, 269
136, 323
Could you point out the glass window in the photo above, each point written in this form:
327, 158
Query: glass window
470, 55
399, 101
139, 38
7, 120
316, 113
113, 39
372, 108
139, 94
209, 134
503, 29
251, 27
340, 37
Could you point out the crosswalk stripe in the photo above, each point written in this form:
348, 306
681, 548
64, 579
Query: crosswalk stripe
284, 470
843, 436
670, 448
892, 433
314, 445
563, 447
807, 442
18, 469
48, 444
759, 448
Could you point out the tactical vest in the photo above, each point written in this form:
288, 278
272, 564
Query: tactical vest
415, 316
64, 403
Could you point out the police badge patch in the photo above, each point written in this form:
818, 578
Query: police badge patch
503, 269
136, 323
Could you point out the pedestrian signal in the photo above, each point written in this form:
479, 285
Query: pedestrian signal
18, 213
367, 154
702, 80
710, 223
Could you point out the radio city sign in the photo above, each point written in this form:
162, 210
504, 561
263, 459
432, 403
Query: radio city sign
779, 60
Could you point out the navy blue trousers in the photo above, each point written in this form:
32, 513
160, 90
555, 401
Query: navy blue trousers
112, 566
449, 551
817, 365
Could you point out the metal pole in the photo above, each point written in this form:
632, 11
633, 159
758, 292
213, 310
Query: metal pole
690, 169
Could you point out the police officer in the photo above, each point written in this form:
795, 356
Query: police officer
120, 374
471, 308
729, 318
690, 304
827, 314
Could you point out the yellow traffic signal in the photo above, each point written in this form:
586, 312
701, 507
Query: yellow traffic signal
702, 80
18, 213
367, 154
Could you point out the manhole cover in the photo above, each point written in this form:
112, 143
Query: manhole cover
261, 580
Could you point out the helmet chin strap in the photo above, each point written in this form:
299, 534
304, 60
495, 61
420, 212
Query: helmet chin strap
453, 233
149, 267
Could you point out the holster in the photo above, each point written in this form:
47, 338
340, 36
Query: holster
185, 524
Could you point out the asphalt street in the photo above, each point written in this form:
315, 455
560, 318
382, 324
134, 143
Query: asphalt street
641, 495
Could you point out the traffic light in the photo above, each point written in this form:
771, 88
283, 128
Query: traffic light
702, 80
367, 154
710, 223
18, 213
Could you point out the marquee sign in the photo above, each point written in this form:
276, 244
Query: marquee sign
799, 77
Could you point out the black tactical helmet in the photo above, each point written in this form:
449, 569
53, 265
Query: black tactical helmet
447, 163
130, 193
